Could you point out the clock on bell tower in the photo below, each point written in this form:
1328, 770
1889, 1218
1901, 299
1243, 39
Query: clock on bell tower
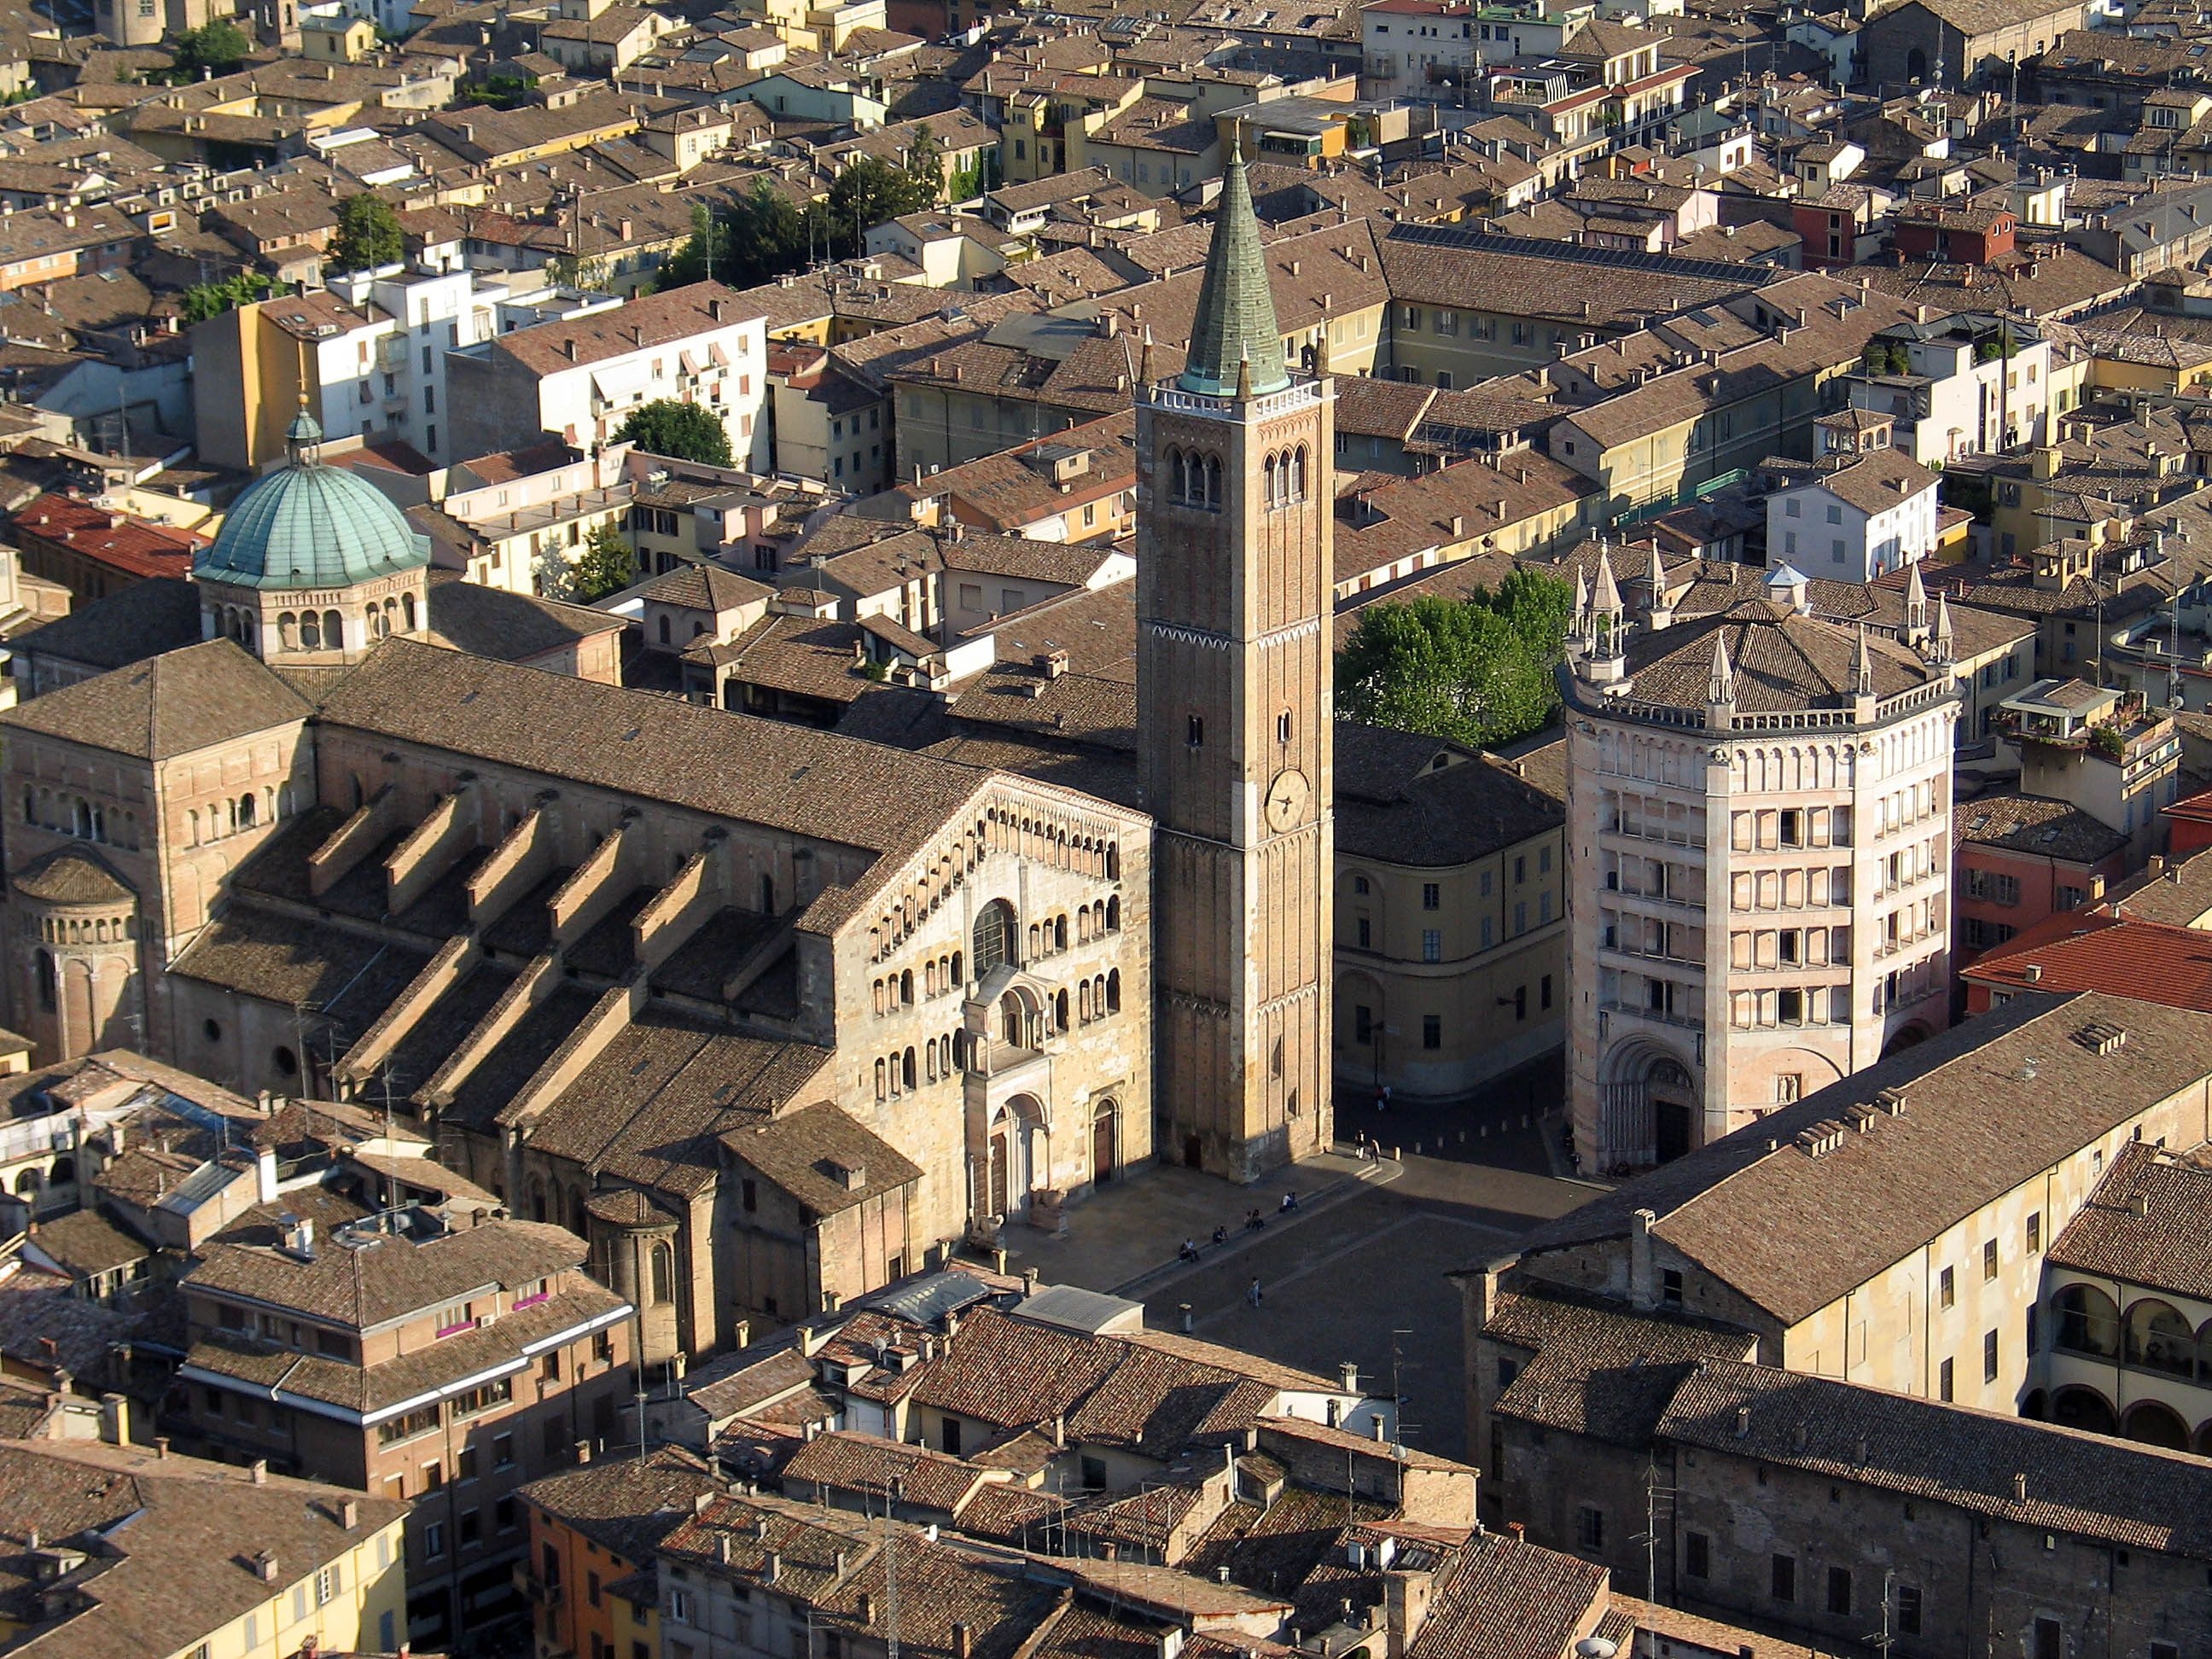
1235, 739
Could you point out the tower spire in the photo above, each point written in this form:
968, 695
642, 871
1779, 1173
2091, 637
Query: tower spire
1234, 324
1720, 686
1942, 644
1916, 600
1863, 670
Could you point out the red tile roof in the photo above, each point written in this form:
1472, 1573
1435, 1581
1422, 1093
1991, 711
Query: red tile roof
132, 545
2098, 951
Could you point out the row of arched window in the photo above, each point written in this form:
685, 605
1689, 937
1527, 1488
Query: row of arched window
74, 815
1284, 476
908, 1068
2152, 1335
998, 830
100, 930
940, 975
324, 630
231, 816
1096, 920
1097, 997
1193, 479
234, 621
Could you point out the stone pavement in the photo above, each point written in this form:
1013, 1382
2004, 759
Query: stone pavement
1355, 1274
1122, 1239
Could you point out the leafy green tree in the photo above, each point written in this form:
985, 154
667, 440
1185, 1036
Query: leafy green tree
925, 164
206, 300
767, 236
870, 193
1479, 672
705, 253
682, 431
607, 565
369, 235
501, 91
215, 48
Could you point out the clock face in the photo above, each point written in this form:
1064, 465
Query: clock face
1287, 799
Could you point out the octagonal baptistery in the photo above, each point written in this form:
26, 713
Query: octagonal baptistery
313, 563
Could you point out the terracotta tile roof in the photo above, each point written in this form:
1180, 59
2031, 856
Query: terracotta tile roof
665, 318
2091, 950
2089, 1486
2035, 824
1010, 1373
1505, 1599
121, 541
399, 1276
1393, 803
161, 613
176, 1540
1448, 266
626, 1505
1783, 661
1597, 1369
940, 1587
71, 875
842, 1462
1967, 1133
2167, 1247
174, 704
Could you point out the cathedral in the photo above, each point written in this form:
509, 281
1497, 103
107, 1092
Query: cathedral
769, 1014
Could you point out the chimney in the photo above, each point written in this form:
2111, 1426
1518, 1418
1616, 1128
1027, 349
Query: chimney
115, 1419
259, 1470
2018, 1487
1642, 1281
348, 1513
264, 1567
264, 1178
1030, 1277
583, 1451
569, 348
2139, 1205
1742, 1422
964, 1642
773, 1570
1347, 1376
715, 310
162, 1448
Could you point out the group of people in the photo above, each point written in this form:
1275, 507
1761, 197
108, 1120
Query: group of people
1254, 1222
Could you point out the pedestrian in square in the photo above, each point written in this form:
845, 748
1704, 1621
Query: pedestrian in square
1252, 1296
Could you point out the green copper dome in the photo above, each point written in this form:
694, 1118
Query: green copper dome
311, 525
1234, 335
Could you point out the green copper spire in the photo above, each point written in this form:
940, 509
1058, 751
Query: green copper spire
1235, 349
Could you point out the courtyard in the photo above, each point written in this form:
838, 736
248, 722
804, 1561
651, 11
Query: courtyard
1356, 1273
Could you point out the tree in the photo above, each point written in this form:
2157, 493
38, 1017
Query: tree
206, 300
869, 192
1478, 672
501, 91
767, 236
215, 48
369, 235
925, 164
682, 431
704, 253
607, 565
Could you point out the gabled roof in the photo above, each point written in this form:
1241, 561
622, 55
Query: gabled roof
169, 705
1862, 1200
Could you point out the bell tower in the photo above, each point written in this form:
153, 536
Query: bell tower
1235, 739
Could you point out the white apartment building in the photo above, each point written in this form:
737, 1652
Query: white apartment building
1850, 518
1968, 383
367, 352
531, 514
577, 378
1758, 856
